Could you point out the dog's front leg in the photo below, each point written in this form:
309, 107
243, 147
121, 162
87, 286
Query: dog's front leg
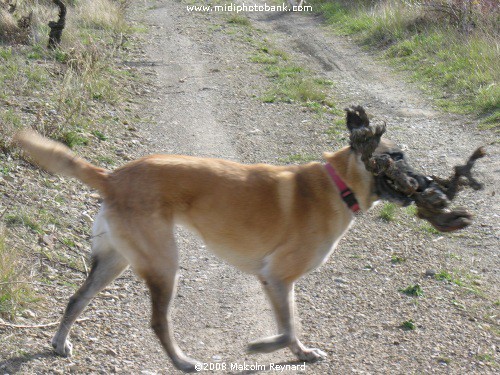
280, 294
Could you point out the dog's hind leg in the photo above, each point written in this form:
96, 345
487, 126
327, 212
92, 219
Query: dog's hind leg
162, 287
107, 264
280, 294
155, 259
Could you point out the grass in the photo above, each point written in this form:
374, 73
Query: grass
467, 281
459, 69
413, 291
79, 94
408, 325
14, 293
290, 83
239, 20
447, 276
22, 219
65, 88
387, 213
390, 212
396, 259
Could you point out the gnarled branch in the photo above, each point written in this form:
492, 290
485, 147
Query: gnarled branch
56, 28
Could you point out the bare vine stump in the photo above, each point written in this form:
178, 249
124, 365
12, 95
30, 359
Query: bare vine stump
56, 28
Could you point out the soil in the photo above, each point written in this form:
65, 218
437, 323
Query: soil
203, 99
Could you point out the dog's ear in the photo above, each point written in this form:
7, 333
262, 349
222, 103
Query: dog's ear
364, 137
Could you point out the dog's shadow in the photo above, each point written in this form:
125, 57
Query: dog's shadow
13, 365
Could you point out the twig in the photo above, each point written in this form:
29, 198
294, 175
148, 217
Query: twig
85, 265
2, 324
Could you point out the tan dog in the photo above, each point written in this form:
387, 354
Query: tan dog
276, 222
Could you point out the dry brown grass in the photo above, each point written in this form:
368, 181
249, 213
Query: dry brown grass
9, 30
14, 291
71, 93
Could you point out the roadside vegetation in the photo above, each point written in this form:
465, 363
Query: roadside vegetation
449, 46
289, 82
78, 93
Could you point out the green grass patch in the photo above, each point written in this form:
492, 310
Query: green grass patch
408, 325
428, 228
73, 138
388, 212
397, 259
413, 291
467, 281
290, 83
15, 293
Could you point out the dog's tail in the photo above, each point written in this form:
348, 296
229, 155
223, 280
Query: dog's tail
59, 159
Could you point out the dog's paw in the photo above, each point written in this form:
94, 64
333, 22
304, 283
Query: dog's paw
64, 349
186, 364
311, 355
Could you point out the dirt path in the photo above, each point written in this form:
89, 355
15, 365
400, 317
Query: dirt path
204, 101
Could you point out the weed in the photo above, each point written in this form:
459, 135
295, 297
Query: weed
106, 160
458, 304
11, 119
411, 210
485, 357
262, 58
468, 282
444, 276
428, 228
396, 259
408, 325
5, 53
413, 291
72, 139
388, 211
291, 83
68, 242
99, 135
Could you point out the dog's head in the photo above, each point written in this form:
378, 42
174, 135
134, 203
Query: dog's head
395, 180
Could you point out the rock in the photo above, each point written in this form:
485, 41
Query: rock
87, 218
430, 273
47, 239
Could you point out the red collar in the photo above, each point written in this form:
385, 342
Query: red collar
346, 193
